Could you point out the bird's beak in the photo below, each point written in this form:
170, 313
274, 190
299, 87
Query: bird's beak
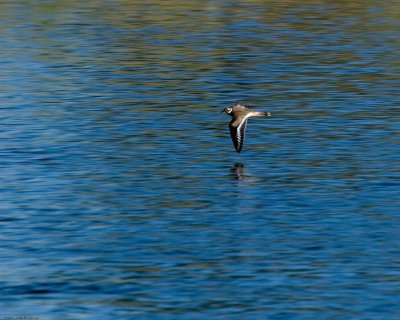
223, 111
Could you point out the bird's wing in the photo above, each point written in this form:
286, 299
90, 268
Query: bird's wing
238, 133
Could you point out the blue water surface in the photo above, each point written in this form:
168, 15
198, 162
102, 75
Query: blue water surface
121, 194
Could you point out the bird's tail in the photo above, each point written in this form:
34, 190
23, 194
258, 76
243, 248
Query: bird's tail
261, 114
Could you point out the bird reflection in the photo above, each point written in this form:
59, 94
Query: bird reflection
238, 171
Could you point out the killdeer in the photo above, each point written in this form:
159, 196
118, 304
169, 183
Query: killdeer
237, 126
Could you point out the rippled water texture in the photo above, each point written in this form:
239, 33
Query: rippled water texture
122, 196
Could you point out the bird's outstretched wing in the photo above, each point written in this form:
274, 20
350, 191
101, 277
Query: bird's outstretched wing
238, 134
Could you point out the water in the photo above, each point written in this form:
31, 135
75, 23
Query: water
122, 196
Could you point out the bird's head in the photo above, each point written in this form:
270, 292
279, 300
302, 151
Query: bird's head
228, 110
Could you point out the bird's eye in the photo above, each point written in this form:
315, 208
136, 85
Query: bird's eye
229, 110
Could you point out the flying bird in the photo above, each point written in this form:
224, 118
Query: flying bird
237, 126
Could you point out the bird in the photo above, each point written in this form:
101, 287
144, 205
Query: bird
237, 127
